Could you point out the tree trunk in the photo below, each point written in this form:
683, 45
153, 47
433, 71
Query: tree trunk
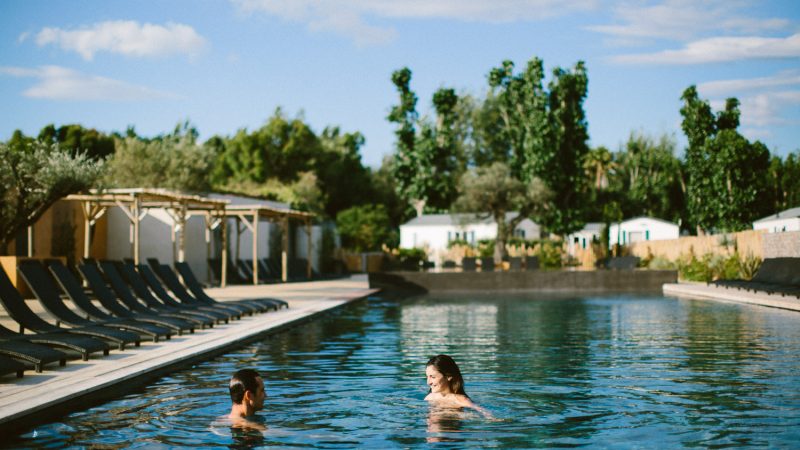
500, 239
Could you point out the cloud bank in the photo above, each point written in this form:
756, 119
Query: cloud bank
60, 83
124, 37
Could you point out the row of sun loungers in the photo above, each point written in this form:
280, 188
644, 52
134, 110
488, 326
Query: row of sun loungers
775, 276
136, 302
470, 264
240, 271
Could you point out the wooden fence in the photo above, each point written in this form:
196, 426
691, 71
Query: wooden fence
746, 242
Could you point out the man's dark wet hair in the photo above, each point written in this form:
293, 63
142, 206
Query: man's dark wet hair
242, 381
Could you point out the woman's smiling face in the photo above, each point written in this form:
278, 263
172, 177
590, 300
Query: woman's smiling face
437, 381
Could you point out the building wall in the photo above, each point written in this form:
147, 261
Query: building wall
782, 244
779, 225
638, 230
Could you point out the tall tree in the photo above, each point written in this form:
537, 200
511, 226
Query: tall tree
726, 186
33, 178
546, 134
426, 166
78, 139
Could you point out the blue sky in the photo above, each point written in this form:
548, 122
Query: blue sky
227, 65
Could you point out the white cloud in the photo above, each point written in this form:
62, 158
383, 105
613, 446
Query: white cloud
685, 20
60, 83
125, 37
767, 108
349, 17
721, 49
724, 87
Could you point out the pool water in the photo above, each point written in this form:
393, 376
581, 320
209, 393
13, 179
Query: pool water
555, 372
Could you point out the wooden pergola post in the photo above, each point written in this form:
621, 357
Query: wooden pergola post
308, 247
254, 230
285, 249
136, 220
224, 263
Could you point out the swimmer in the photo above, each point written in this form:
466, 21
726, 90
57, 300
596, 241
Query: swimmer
447, 385
247, 394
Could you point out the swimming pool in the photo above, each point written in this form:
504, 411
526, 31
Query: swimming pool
556, 372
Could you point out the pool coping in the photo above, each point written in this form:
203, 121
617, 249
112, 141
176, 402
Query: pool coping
38, 398
703, 291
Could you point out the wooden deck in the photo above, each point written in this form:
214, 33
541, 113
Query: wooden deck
37, 397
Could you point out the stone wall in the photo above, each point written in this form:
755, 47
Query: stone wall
782, 244
564, 281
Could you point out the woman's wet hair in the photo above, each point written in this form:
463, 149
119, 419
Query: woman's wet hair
242, 381
452, 374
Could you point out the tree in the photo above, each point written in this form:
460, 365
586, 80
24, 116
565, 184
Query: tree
173, 161
495, 189
726, 188
78, 139
545, 134
426, 166
649, 177
35, 177
364, 228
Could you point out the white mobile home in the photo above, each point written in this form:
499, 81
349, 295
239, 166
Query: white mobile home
788, 220
436, 231
583, 239
642, 229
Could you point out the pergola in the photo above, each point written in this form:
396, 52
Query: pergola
136, 203
250, 215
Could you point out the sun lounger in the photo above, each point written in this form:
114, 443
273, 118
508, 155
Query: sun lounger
70, 284
147, 274
468, 264
10, 365
174, 284
49, 295
46, 333
194, 286
18, 346
128, 298
139, 287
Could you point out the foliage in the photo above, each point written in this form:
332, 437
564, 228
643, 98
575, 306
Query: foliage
426, 165
711, 267
726, 187
327, 249
545, 133
494, 189
174, 161
550, 253
36, 176
405, 259
364, 228
78, 139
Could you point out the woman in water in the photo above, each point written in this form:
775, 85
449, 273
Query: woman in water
447, 385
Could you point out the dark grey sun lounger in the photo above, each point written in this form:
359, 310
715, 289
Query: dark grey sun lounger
135, 281
17, 346
74, 290
10, 365
46, 333
161, 293
124, 293
49, 296
172, 282
197, 291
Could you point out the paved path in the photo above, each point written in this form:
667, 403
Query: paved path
65, 387
710, 292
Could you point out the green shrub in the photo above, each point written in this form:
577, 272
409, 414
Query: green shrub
365, 228
550, 254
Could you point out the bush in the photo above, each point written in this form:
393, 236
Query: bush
712, 267
365, 228
405, 259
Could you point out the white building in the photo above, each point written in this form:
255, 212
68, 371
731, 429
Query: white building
788, 220
583, 239
436, 231
158, 241
642, 229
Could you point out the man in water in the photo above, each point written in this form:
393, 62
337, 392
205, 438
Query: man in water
247, 394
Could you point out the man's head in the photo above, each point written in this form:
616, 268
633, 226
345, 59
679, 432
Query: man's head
247, 389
